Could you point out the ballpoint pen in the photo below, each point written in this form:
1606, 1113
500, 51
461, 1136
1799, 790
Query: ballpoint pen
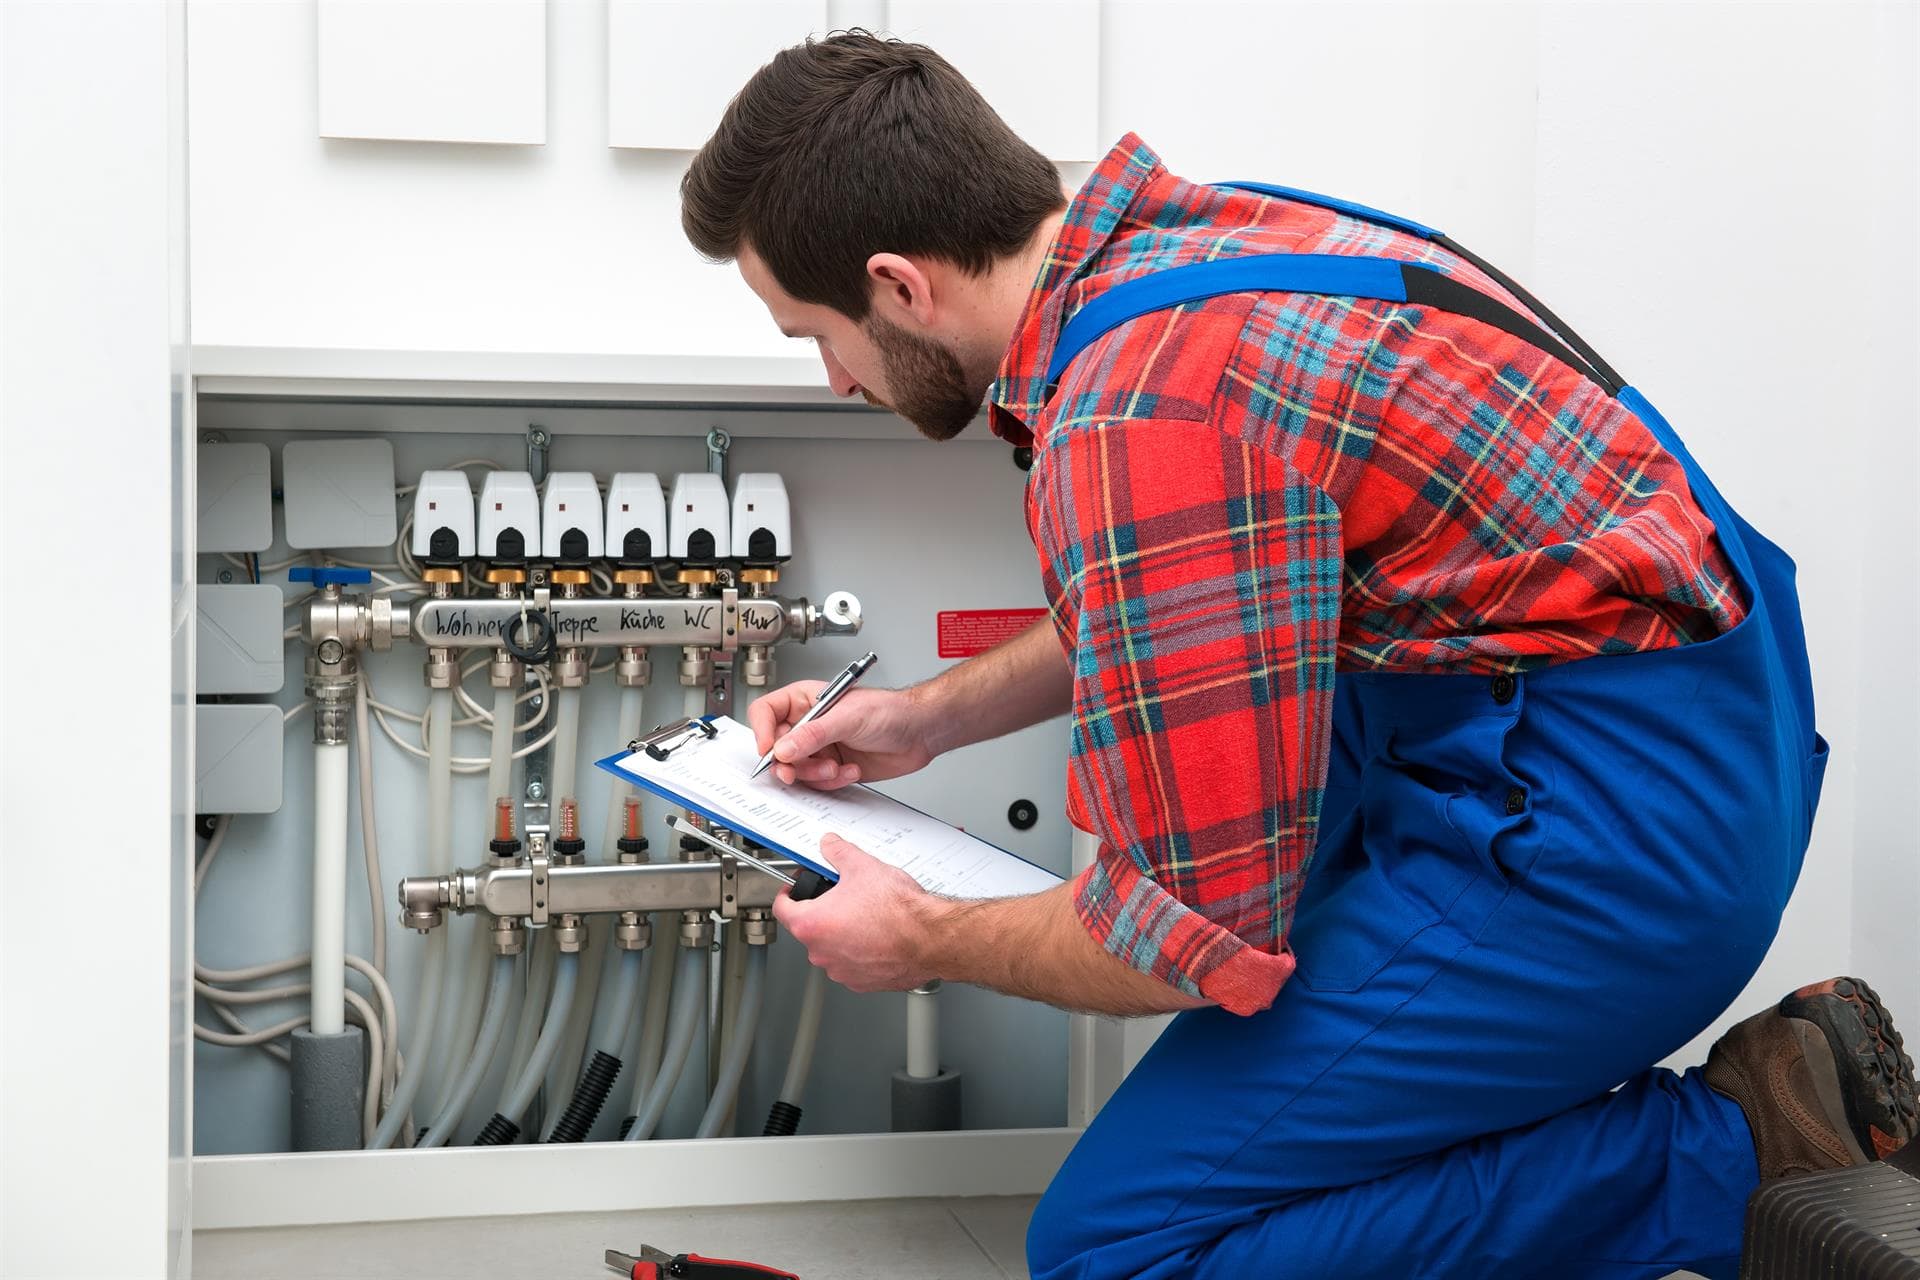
828, 696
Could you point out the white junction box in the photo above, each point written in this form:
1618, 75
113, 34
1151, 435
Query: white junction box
238, 647
234, 483
237, 757
338, 494
433, 70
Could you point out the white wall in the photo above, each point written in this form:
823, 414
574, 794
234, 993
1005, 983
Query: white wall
1720, 196
86, 1059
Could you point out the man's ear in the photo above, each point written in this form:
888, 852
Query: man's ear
902, 291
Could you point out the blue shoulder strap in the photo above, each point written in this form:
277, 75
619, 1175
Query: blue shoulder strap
1336, 275
1347, 207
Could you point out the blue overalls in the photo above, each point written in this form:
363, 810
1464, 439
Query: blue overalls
1527, 888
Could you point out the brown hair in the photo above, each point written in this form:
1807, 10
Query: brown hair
853, 145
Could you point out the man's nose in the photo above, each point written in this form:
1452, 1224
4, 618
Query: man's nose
842, 382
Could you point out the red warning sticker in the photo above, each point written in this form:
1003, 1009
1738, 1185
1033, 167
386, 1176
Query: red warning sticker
965, 632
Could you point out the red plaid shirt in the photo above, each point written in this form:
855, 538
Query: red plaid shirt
1237, 498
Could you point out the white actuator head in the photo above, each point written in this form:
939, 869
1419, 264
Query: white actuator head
697, 530
570, 522
762, 527
636, 519
509, 517
443, 517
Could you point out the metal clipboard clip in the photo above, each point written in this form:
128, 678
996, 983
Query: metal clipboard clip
669, 738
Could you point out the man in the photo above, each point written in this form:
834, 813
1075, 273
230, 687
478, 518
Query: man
1448, 739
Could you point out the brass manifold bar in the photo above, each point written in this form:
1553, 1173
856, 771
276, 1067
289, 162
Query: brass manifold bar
536, 892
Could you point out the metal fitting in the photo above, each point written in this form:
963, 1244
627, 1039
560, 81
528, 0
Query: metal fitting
634, 670
696, 930
440, 671
505, 671
696, 666
633, 932
387, 622
570, 668
757, 927
756, 665
509, 939
570, 934
421, 900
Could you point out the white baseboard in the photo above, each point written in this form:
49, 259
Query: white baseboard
390, 1186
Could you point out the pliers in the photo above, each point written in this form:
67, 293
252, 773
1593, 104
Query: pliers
657, 1264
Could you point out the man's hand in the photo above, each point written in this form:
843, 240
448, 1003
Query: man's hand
869, 734
866, 932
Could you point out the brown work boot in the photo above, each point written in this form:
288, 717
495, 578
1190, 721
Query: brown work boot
1822, 1077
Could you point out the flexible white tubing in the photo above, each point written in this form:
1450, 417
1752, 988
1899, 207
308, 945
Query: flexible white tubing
689, 1002
566, 748
733, 1064
566, 977
653, 1019
431, 965
590, 1008
449, 1050
805, 1035
369, 825
923, 1034
533, 1002
695, 701
330, 762
491, 1027
500, 762
610, 1020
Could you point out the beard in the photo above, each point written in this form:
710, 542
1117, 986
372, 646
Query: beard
928, 386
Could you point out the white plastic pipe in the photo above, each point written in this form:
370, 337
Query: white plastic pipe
500, 762
418, 1046
733, 1063
695, 702
533, 1001
601, 957
565, 978
330, 763
689, 1003
450, 1047
566, 747
440, 1132
807, 1034
923, 1034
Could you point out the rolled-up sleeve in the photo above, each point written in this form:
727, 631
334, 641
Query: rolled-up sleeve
1195, 584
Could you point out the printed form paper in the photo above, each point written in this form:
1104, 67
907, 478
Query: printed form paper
715, 775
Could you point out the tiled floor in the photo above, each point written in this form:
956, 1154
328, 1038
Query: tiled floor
861, 1240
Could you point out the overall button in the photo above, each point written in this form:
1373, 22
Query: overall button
1504, 687
1516, 802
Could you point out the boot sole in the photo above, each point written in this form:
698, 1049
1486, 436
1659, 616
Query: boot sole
1872, 1072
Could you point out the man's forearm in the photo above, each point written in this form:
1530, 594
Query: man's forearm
1036, 948
1017, 683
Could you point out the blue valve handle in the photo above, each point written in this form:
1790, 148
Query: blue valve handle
329, 577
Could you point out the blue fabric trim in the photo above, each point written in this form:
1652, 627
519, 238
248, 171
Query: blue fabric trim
1323, 273
1347, 207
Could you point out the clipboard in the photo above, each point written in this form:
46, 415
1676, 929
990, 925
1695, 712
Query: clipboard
703, 765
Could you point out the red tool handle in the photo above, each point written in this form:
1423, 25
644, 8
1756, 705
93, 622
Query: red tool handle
694, 1267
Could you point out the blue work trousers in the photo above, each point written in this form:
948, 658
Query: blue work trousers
1528, 889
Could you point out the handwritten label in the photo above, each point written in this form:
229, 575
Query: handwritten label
450, 624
